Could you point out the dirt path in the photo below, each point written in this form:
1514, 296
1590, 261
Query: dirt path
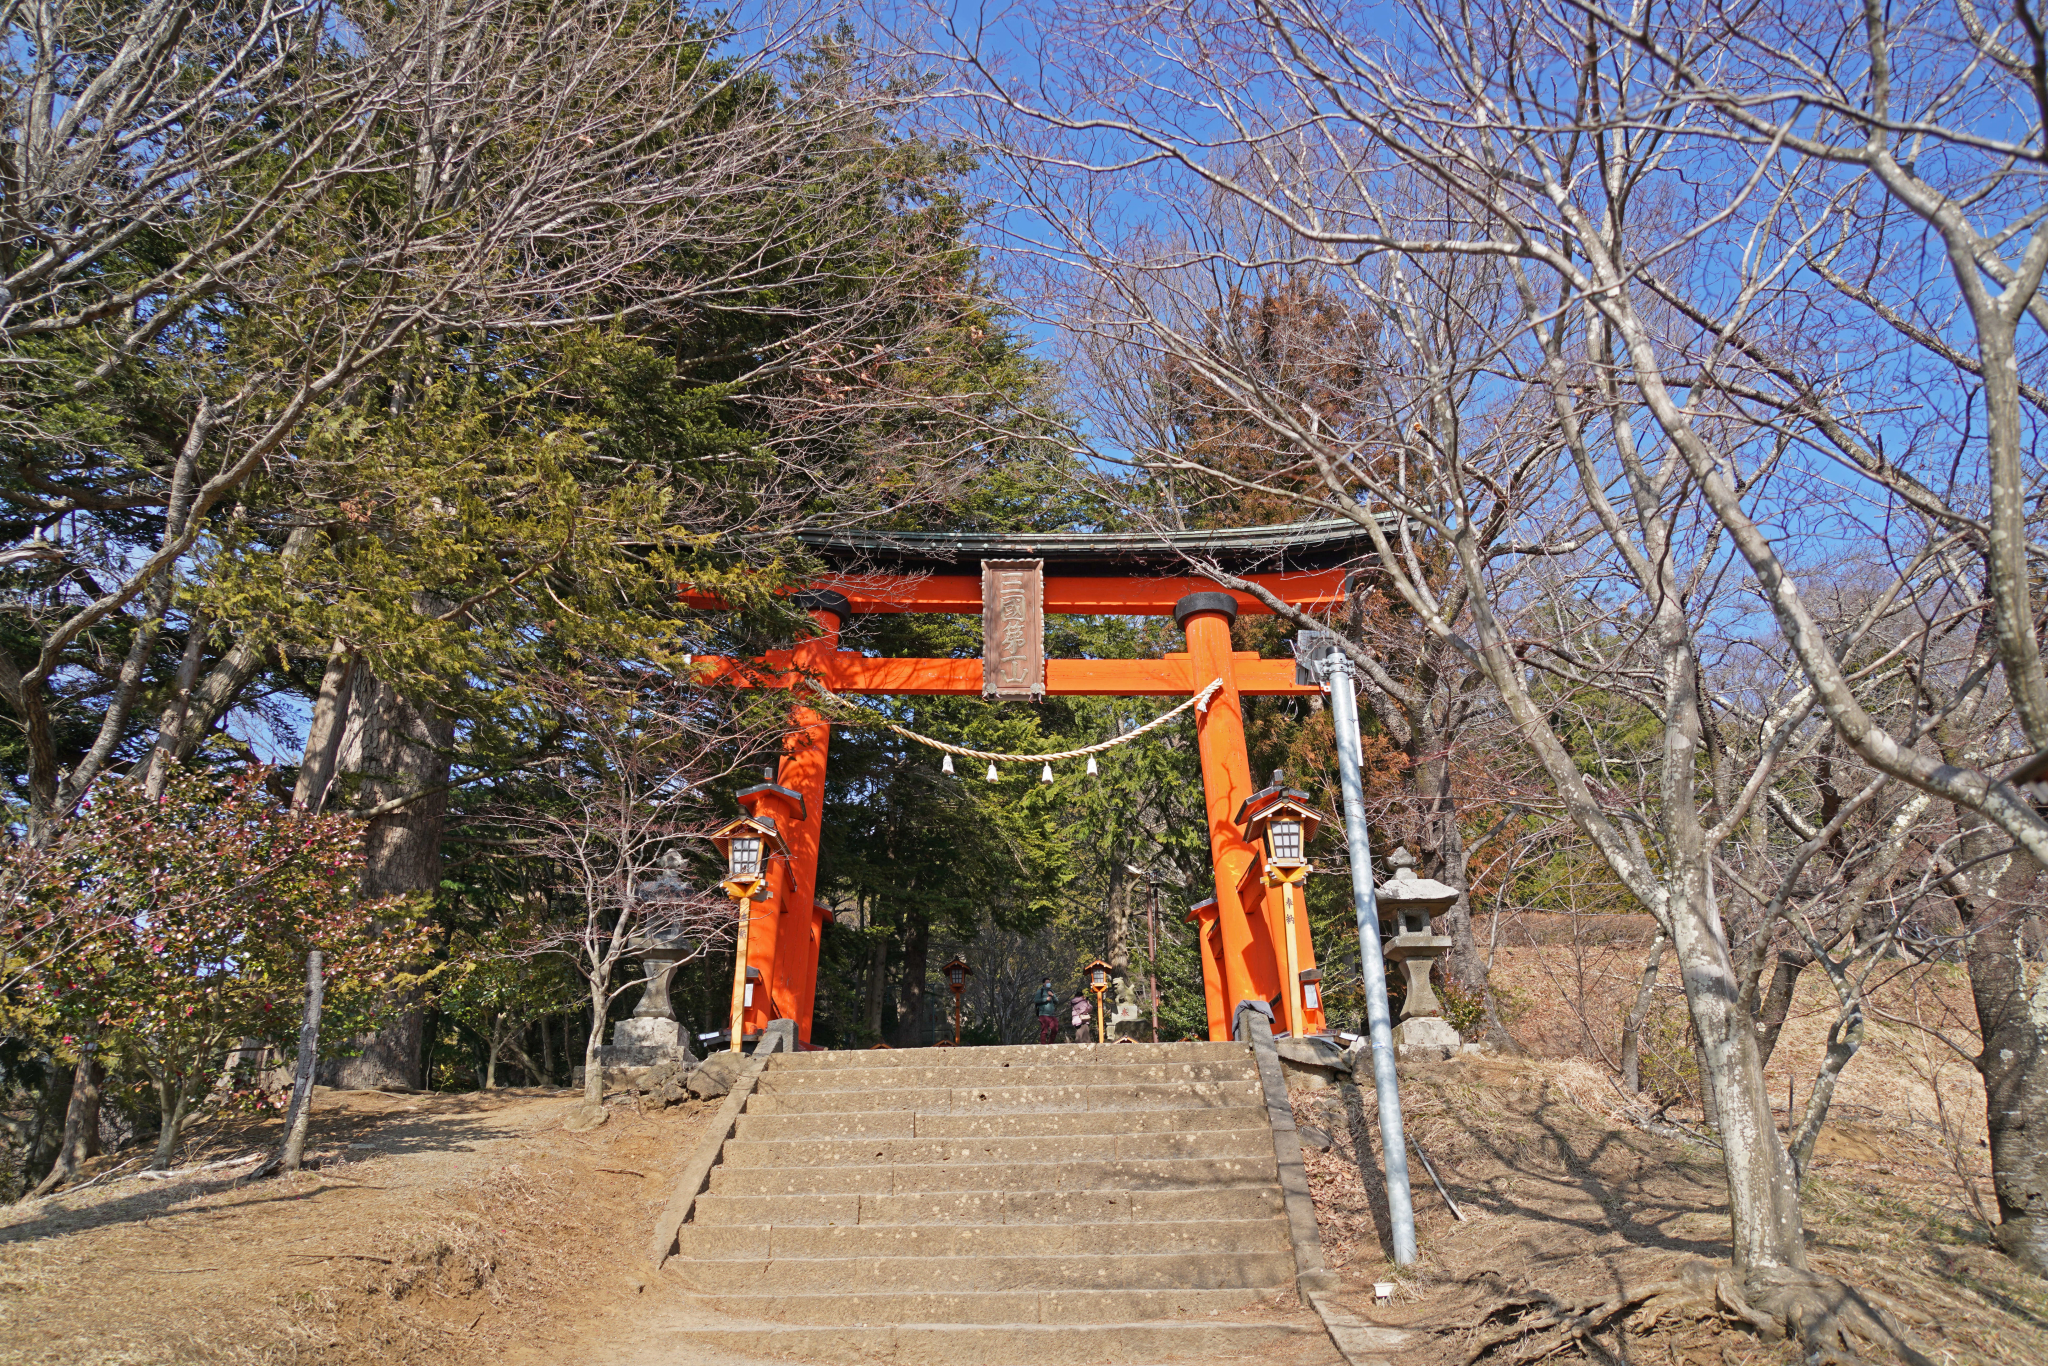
446, 1228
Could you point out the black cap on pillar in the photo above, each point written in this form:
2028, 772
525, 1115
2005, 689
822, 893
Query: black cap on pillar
1203, 602
824, 600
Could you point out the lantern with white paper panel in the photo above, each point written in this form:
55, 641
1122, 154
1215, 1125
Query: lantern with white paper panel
1098, 982
957, 972
748, 845
1280, 822
1311, 989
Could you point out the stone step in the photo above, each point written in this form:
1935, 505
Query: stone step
1018, 1074
1168, 1173
984, 1099
728, 1242
1038, 1055
1009, 1208
1078, 1269
1020, 1309
1084, 1124
1050, 1342
977, 1207
861, 1152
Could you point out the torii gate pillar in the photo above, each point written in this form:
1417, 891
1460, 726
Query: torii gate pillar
783, 938
1248, 948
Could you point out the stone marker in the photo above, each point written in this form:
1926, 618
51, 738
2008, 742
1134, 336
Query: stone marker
714, 1076
668, 1083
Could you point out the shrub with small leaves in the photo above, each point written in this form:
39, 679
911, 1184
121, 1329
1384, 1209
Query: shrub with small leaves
166, 931
1464, 1010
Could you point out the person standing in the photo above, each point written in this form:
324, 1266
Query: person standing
1047, 1004
1078, 1012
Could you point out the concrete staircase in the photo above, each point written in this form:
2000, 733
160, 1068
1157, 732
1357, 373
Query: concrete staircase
1000, 1206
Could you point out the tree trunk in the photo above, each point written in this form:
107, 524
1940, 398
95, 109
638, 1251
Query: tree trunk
174, 1102
324, 732
170, 724
916, 957
1845, 1038
2014, 1062
399, 751
46, 1141
1118, 947
1778, 1001
1710, 1109
197, 704
1444, 858
81, 1123
878, 987
547, 1053
593, 1074
1632, 1031
299, 1117
1763, 1189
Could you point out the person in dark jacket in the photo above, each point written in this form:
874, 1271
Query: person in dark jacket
1047, 1004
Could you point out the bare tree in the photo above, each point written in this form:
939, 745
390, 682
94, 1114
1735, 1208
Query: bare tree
1496, 166
617, 833
1890, 181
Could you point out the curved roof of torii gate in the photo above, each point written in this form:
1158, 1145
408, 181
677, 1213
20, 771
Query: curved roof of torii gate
1107, 572
1323, 544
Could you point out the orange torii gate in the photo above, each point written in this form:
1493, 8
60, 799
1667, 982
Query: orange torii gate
1243, 928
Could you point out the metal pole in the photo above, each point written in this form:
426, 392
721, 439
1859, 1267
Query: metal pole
1379, 1018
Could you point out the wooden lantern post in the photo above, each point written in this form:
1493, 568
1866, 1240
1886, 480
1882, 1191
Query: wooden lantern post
957, 972
1281, 823
1098, 982
746, 845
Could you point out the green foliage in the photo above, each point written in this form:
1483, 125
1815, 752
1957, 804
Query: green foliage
1464, 1010
163, 932
490, 988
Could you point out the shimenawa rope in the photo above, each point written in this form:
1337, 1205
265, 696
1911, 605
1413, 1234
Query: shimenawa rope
1199, 700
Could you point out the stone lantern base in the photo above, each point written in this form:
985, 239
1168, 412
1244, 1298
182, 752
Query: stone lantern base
641, 1043
1430, 1035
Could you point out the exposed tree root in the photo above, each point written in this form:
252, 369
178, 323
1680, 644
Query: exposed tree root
1823, 1313
1556, 1323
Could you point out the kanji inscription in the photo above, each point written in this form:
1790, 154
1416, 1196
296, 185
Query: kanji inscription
1013, 629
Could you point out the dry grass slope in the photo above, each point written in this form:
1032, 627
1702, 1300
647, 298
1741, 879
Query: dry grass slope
459, 1230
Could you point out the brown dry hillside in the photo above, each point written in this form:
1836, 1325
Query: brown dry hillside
461, 1229
437, 1228
1567, 1200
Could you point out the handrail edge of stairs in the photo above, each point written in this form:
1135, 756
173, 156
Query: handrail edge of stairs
1310, 1274
780, 1035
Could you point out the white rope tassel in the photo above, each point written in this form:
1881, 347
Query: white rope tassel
991, 772
947, 767
1045, 774
1092, 769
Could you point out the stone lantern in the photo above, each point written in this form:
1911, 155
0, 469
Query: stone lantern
1406, 903
652, 1034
